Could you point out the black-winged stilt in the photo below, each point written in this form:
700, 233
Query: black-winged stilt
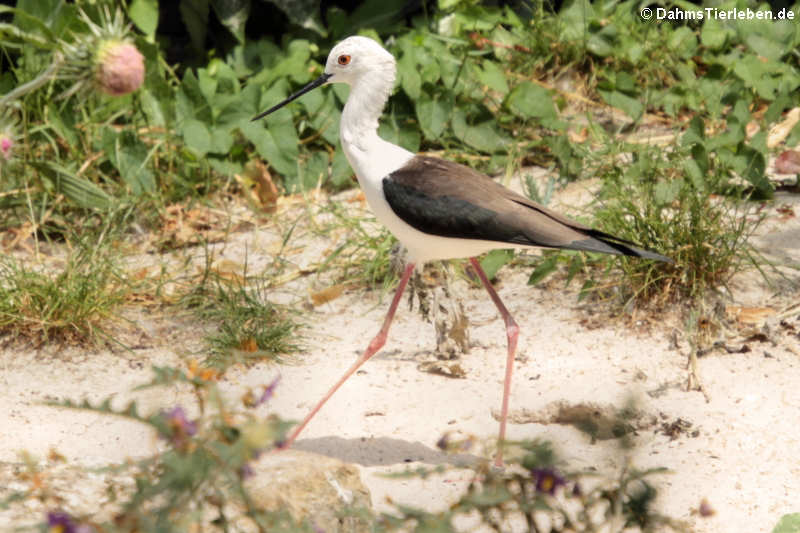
438, 209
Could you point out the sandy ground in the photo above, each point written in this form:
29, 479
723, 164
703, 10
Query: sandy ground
736, 445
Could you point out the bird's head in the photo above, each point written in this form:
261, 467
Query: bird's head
357, 58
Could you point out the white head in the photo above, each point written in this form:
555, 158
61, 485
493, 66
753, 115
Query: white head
359, 58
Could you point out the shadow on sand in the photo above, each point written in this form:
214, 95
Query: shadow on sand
382, 451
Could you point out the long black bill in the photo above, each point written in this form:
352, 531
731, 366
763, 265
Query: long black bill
311, 86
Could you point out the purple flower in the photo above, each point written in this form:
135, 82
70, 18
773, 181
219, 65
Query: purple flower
269, 391
246, 471
60, 522
547, 480
181, 427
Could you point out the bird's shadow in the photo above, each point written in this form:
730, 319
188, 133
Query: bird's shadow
383, 451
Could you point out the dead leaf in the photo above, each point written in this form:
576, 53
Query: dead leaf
788, 162
786, 212
181, 227
578, 136
749, 316
751, 128
779, 132
257, 180
140, 274
230, 270
358, 198
327, 294
248, 345
448, 370
17, 236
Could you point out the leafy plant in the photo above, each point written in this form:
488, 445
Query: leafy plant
203, 468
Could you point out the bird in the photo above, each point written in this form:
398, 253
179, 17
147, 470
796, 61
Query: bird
436, 208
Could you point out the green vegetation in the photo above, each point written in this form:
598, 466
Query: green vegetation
250, 327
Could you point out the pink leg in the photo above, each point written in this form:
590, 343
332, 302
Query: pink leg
374, 346
512, 332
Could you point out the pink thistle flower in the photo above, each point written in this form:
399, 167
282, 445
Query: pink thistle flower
119, 67
6, 144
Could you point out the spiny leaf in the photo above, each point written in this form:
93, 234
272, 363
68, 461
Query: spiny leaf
129, 411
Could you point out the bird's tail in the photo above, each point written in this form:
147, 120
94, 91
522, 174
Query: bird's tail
599, 241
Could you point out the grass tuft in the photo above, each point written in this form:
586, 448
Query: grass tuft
703, 225
68, 306
251, 328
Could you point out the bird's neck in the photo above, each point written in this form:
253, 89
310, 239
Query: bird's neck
359, 124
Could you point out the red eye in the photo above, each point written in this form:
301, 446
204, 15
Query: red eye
344, 60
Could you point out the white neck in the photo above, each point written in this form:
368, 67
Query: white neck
368, 96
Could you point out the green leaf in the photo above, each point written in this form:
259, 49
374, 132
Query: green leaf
131, 159
531, 101
548, 265
766, 47
751, 164
665, 192
225, 167
63, 125
576, 264
758, 75
491, 75
152, 108
324, 114
278, 145
207, 84
144, 13
233, 15
683, 41
195, 18
312, 172
789, 523
341, 173
714, 34
410, 79
432, 114
79, 190
695, 133
599, 45
221, 140
570, 162
399, 132
631, 106
196, 136
46, 17
495, 259
483, 136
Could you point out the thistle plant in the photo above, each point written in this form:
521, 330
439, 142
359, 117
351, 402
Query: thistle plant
104, 58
